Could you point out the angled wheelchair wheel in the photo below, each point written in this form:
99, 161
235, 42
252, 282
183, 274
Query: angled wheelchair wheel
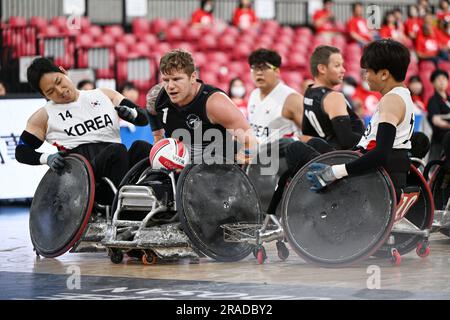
62, 207
440, 188
420, 214
343, 224
209, 196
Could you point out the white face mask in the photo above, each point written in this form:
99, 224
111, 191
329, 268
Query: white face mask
365, 85
208, 7
348, 90
238, 91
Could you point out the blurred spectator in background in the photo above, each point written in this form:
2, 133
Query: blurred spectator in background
357, 26
237, 91
413, 23
443, 36
2, 88
86, 85
399, 23
438, 112
349, 86
203, 16
130, 92
244, 16
427, 44
366, 99
424, 7
324, 20
415, 86
443, 14
391, 29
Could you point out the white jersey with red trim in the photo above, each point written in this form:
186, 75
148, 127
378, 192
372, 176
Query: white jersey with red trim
90, 119
265, 116
404, 129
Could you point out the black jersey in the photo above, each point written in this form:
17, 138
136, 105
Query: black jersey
316, 121
192, 119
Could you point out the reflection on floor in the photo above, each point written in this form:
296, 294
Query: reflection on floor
93, 276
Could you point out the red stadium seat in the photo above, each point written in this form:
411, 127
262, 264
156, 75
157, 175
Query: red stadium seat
212, 66
158, 25
82, 59
248, 39
95, 31
106, 40
200, 59
122, 71
115, 30
129, 39
104, 73
296, 60
241, 51
182, 23
218, 56
121, 50
209, 77
140, 26
299, 48
270, 25
162, 47
231, 30
304, 32
85, 23
252, 33
292, 79
187, 46
192, 33
286, 31
85, 41
60, 22
444, 65
51, 31
150, 39
142, 49
237, 67
207, 43
38, 22
227, 42
174, 33
15, 21
281, 48
285, 39
426, 66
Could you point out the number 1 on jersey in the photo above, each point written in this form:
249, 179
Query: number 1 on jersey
165, 110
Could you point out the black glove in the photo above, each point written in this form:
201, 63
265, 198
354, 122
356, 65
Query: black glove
320, 175
56, 161
126, 113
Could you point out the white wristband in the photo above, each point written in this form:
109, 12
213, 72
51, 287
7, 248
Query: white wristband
43, 158
339, 171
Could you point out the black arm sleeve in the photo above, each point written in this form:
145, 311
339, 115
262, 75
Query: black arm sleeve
155, 123
342, 127
377, 157
142, 117
25, 150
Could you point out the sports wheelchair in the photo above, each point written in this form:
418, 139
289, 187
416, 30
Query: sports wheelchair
352, 219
